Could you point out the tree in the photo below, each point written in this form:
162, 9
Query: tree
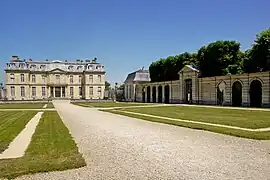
167, 69
222, 55
107, 85
259, 55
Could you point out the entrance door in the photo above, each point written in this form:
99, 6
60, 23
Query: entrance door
57, 92
188, 90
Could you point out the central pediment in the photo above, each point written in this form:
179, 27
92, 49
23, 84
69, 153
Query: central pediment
188, 68
57, 70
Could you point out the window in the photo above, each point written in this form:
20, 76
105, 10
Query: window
91, 78
43, 67
71, 79
43, 91
22, 77
57, 77
33, 78
44, 79
80, 91
12, 91
91, 91
99, 92
33, 91
80, 79
99, 78
12, 78
22, 91
71, 91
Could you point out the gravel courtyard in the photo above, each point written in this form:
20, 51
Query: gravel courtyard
119, 147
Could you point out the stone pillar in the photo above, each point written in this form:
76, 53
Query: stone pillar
60, 91
134, 92
151, 97
163, 93
156, 93
52, 92
126, 92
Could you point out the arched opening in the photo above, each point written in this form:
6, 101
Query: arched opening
159, 94
154, 94
237, 94
220, 93
188, 91
148, 94
167, 94
143, 94
255, 93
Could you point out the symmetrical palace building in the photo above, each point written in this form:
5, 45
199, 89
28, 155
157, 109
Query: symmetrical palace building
234, 90
37, 80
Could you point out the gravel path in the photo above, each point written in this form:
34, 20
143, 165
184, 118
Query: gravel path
119, 147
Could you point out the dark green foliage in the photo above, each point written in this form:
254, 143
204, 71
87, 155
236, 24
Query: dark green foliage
216, 59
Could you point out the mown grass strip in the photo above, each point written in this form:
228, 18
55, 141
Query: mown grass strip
11, 124
51, 149
233, 132
22, 106
231, 117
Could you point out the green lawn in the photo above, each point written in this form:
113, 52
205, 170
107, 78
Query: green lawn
109, 104
51, 149
50, 105
11, 124
231, 117
22, 106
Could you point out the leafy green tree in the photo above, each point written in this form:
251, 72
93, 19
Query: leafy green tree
219, 58
259, 55
107, 85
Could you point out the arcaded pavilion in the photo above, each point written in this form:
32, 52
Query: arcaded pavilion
250, 89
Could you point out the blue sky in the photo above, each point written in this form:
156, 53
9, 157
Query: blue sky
123, 34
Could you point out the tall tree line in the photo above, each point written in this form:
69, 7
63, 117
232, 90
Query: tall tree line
216, 59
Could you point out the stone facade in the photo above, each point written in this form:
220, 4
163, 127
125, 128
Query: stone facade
36, 80
234, 90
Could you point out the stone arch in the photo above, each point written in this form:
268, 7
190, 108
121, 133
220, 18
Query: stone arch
255, 93
238, 80
159, 94
148, 94
167, 94
154, 94
221, 92
256, 78
237, 93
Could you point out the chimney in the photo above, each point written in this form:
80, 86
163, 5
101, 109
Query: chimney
94, 60
15, 58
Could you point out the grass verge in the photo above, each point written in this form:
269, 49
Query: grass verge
109, 104
11, 124
231, 117
22, 106
51, 149
227, 131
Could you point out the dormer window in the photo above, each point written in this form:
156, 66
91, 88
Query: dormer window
42, 67
70, 68
32, 66
79, 67
90, 67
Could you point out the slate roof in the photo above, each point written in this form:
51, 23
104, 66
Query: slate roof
138, 76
